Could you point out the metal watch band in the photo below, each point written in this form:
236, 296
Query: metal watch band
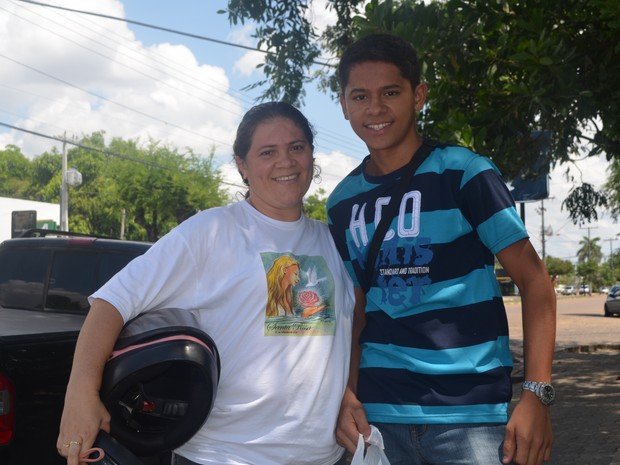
544, 391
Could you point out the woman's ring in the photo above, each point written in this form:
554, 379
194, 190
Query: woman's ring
71, 443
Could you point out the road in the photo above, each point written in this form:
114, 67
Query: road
580, 322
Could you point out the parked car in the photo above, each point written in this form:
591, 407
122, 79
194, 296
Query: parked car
45, 282
603, 290
585, 289
612, 303
569, 290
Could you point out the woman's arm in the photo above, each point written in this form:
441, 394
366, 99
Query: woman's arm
84, 414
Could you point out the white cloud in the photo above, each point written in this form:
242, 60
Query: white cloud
321, 16
64, 72
334, 166
565, 238
246, 65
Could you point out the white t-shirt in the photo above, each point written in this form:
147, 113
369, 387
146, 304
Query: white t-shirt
283, 376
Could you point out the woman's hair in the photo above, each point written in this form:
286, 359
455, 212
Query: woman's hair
263, 112
380, 47
277, 295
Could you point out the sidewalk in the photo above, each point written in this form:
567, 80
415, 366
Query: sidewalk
586, 414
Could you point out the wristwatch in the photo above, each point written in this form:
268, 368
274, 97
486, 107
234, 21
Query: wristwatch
544, 391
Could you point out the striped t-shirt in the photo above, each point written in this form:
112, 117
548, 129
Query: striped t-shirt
435, 346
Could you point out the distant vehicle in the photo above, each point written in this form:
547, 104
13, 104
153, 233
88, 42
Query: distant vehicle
603, 290
585, 289
612, 303
569, 290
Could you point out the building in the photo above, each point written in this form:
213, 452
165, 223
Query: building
18, 214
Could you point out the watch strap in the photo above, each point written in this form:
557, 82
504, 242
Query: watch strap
544, 391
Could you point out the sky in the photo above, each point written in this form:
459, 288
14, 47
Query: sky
69, 73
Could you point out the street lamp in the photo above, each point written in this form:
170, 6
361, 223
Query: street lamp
70, 177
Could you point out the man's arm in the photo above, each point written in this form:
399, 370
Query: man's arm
529, 435
352, 417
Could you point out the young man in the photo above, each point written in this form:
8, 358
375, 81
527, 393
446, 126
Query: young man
432, 365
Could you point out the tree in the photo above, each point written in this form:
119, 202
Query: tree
45, 177
558, 267
14, 172
315, 205
589, 251
612, 188
153, 189
282, 26
156, 188
588, 271
498, 72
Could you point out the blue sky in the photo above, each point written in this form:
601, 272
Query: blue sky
66, 72
201, 18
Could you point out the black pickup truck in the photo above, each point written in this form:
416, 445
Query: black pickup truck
44, 285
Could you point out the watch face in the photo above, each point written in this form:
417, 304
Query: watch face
547, 394
544, 391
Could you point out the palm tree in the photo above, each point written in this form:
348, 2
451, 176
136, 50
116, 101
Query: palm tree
590, 251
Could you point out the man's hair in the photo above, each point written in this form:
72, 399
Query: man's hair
380, 47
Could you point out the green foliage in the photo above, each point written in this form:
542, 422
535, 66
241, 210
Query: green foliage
46, 177
497, 71
588, 271
315, 205
580, 202
151, 189
612, 188
14, 171
558, 267
282, 26
590, 251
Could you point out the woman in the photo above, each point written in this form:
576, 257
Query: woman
283, 374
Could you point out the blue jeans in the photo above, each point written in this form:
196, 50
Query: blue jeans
465, 444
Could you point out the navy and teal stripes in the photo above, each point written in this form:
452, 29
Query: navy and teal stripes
435, 347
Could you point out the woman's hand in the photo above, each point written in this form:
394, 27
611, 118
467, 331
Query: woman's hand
82, 418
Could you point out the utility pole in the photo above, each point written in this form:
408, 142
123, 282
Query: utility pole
70, 177
611, 254
589, 250
64, 189
123, 216
544, 231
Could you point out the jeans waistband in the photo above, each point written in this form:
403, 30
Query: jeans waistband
180, 460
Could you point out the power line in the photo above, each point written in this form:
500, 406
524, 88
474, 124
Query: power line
165, 29
95, 149
325, 134
107, 99
63, 27
82, 146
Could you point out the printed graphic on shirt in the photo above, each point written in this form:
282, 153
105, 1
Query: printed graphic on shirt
403, 262
300, 296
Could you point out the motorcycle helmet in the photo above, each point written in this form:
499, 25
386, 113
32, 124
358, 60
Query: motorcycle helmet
160, 382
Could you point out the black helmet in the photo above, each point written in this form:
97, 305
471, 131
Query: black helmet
160, 382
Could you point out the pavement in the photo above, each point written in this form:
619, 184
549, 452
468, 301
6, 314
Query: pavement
586, 413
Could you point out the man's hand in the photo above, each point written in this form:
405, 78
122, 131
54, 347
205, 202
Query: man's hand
351, 421
529, 436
